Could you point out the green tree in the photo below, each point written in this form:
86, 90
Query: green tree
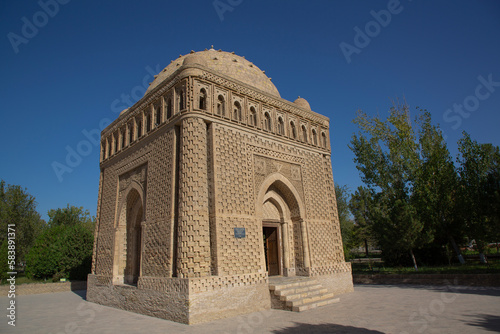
493, 191
65, 248
387, 156
346, 223
70, 215
45, 257
478, 190
361, 205
434, 190
4, 260
18, 209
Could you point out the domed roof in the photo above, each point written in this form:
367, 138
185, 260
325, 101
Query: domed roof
226, 63
302, 103
194, 59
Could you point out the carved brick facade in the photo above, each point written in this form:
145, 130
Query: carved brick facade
212, 149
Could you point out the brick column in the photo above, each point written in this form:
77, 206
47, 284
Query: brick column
193, 255
305, 244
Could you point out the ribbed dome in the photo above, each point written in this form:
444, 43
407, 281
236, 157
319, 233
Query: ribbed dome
222, 62
302, 103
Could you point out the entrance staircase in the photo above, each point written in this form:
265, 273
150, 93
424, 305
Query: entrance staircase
298, 294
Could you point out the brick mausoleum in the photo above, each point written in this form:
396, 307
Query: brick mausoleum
216, 198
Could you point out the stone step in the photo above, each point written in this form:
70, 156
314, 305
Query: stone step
294, 290
287, 285
313, 305
300, 294
309, 299
305, 294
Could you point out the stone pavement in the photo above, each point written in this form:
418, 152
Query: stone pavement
370, 309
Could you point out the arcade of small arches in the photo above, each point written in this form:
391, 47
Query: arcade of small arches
281, 129
174, 102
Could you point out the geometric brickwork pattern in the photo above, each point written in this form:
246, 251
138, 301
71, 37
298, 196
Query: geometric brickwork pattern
210, 149
232, 172
265, 166
194, 235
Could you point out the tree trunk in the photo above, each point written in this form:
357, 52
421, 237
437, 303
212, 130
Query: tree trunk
457, 250
448, 254
368, 255
481, 246
482, 258
414, 261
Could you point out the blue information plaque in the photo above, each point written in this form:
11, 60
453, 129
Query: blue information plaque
239, 232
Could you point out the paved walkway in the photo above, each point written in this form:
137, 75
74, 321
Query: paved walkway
371, 309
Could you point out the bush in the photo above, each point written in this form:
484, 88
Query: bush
61, 252
4, 265
435, 255
396, 257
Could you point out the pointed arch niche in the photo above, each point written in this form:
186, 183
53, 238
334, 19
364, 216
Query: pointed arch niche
285, 249
128, 236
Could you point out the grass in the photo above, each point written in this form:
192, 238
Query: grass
22, 279
489, 251
362, 255
468, 268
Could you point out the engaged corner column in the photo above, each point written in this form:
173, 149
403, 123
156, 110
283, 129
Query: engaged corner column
193, 258
305, 243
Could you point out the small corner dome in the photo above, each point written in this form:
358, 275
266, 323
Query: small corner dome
194, 59
302, 103
123, 111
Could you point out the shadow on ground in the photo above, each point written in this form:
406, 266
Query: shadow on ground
486, 321
81, 293
301, 328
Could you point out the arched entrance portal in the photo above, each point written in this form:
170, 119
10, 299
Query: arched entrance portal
128, 239
285, 250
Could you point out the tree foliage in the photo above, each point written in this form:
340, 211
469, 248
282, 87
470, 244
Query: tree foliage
434, 192
387, 156
414, 198
347, 228
18, 209
69, 216
479, 188
65, 248
4, 260
360, 205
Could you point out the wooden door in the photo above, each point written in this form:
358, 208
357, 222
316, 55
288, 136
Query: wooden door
271, 246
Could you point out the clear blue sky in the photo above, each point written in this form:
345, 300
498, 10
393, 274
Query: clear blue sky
68, 71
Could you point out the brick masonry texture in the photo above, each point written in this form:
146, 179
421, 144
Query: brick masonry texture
194, 242
212, 147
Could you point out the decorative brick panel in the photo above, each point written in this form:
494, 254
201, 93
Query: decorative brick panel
200, 175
